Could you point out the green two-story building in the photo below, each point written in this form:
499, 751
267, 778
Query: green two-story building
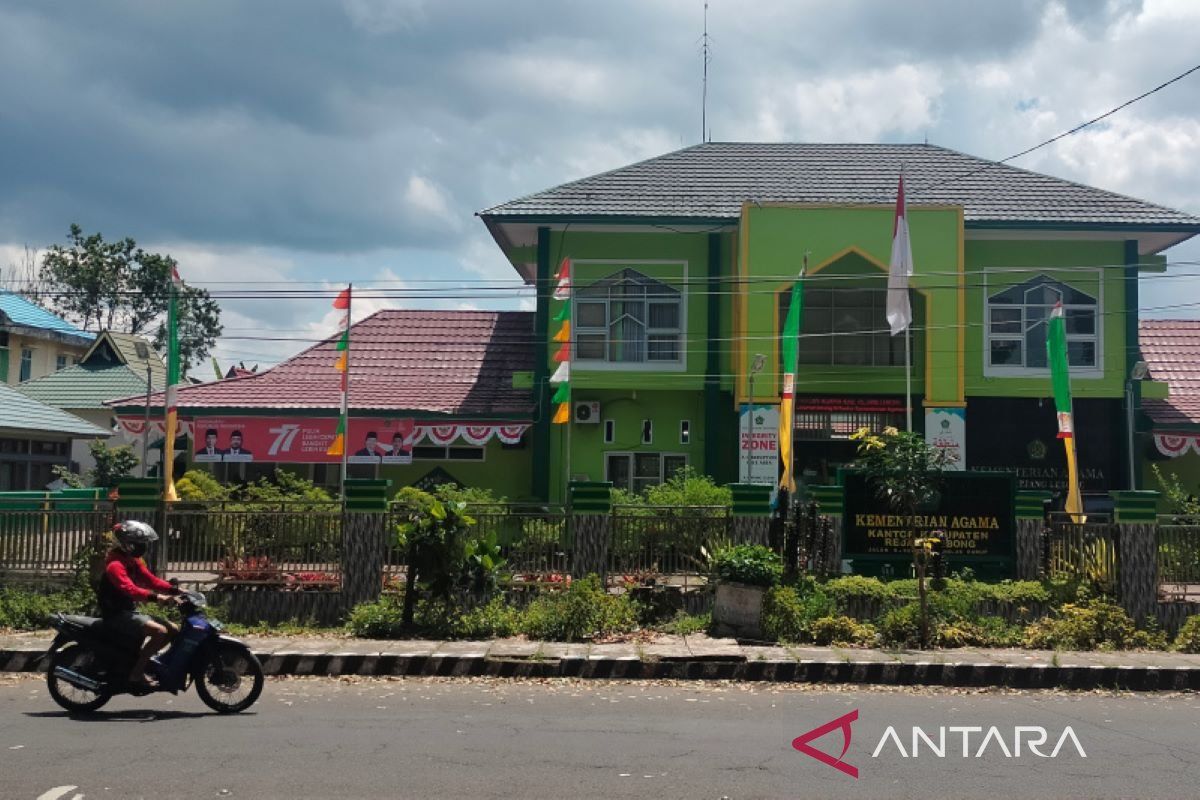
681, 268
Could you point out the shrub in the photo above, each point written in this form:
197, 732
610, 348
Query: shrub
583, 611
1188, 638
788, 612
198, 485
1091, 625
982, 632
841, 630
851, 588
751, 564
29, 609
901, 627
496, 619
382, 619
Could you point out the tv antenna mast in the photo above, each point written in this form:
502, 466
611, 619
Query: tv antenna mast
706, 54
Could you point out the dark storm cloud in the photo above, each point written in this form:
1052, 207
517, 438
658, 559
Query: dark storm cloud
368, 124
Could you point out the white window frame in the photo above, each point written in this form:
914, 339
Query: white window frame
629, 456
1021, 371
598, 365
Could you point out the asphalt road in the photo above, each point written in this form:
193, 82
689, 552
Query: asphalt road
424, 738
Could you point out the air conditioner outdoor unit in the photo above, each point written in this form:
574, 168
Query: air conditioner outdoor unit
587, 412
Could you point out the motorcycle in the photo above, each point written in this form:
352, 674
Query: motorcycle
89, 664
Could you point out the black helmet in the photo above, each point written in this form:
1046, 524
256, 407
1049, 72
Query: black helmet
133, 536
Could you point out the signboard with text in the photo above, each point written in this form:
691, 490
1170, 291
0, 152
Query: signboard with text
301, 440
975, 512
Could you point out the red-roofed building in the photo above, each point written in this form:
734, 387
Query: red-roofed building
1171, 349
441, 393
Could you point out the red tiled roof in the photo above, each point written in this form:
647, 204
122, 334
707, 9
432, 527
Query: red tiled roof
448, 362
1171, 348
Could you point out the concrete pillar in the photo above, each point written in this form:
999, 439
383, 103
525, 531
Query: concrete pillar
1135, 513
365, 539
1031, 525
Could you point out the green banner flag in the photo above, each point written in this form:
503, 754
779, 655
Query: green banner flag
790, 349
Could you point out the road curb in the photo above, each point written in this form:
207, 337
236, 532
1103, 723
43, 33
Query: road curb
1132, 678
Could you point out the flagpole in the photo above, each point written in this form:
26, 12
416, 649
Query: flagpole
346, 393
908, 373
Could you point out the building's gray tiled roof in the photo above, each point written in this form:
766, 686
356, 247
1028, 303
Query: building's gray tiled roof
713, 180
87, 386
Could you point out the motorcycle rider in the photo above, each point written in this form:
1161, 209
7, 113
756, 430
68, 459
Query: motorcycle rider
128, 581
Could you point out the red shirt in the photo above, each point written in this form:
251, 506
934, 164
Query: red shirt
132, 578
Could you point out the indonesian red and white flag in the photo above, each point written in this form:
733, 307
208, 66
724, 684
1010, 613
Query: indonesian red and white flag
900, 269
563, 290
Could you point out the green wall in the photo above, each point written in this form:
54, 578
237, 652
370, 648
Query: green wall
627, 408
853, 240
1092, 267
506, 471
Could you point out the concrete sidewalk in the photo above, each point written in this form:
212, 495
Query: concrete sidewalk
693, 657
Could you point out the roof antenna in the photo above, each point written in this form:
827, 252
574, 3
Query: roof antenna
706, 57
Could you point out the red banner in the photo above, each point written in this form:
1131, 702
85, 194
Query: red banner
851, 404
301, 440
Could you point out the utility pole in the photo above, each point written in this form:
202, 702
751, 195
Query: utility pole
706, 57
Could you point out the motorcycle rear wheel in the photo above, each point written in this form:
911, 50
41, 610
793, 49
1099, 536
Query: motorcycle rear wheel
231, 681
75, 699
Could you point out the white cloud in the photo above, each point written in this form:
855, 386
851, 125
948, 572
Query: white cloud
863, 106
426, 199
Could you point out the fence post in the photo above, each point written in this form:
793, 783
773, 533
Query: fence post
830, 500
591, 527
1135, 514
1031, 524
364, 540
751, 513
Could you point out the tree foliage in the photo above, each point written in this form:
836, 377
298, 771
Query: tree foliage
119, 286
112, 464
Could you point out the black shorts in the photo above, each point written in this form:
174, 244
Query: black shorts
128, 624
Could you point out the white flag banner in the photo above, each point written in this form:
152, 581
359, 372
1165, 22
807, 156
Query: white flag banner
561, 375
899, 310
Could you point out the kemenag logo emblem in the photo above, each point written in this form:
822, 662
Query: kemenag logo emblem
945, 741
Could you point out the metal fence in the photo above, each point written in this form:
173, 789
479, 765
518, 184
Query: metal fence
1178, 558
47, 540
290, 546
1082, 550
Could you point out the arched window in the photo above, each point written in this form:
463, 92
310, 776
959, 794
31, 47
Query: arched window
1017, 320
628, 318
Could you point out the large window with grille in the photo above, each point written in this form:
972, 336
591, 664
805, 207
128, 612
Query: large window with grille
1017, 320
845, 326
629, 318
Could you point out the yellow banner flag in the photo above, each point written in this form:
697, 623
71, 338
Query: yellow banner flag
564, 333
563, 415
338, 447
1074, 506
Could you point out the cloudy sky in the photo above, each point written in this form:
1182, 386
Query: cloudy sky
327, 140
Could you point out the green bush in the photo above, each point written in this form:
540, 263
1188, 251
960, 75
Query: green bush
1091, 625
29, 609
199, 486
981, 632
788, 612
901, 627
752, 564
1188, 638
851, 588
497, 619
379, 620
686, 624
841, 630
583, 611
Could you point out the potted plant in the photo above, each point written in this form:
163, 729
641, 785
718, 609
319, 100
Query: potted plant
743, 574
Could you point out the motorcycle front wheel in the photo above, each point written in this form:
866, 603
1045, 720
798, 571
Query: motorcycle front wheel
75, 699
230, 680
